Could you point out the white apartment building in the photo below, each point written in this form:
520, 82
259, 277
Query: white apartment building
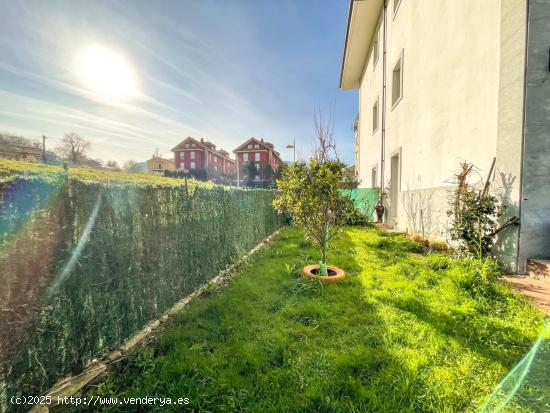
446, 81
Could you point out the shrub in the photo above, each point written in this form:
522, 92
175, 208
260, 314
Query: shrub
416, 238
439, 245
356, 217
474, 213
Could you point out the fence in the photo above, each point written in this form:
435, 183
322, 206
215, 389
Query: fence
364, 199
88, 265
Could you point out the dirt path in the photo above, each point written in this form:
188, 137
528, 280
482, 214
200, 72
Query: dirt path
536, 290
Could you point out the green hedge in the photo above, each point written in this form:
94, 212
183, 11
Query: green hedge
66, 297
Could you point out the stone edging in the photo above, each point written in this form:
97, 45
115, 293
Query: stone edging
97, 370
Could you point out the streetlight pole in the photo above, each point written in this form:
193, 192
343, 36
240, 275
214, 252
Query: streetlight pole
293, 146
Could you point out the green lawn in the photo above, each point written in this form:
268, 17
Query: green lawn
406, 332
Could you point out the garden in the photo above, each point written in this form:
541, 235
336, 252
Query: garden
334, 314
336, 318
405, 331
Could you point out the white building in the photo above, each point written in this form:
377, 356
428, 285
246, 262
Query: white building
446, 81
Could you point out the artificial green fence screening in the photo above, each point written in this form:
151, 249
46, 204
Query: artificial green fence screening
84, 266
364, 199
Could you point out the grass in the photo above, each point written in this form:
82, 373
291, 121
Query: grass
10, 169
406, 332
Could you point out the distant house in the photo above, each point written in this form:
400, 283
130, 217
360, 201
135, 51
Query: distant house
157, 165
261, 154
15, 147
192, 154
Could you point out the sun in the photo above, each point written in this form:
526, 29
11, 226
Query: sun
106, 73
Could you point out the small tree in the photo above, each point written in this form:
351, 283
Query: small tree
74, 148
250, 171
312, 193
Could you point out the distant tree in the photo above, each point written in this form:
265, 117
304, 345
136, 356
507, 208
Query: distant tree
250, 173
112, 164
92, 163
74, 148
266, 172
129, 166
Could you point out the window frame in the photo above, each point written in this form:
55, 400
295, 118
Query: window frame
399, 61
376, 42
377, 106
245, 157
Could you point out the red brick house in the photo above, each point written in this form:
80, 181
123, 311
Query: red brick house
260, 153
192, 154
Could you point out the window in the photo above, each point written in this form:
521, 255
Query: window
257, 156
192, 145
192, 155
187, 145
250, 146
374, 177
375, 116
397, 82
160, 165
192, 164
396, 4
245, 157
256, 146
257, 166
182, 155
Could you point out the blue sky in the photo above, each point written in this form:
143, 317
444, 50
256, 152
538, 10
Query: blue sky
223, 70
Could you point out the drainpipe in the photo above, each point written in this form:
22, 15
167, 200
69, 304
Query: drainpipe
383, 144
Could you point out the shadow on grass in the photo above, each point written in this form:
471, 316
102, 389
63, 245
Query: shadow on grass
484, 336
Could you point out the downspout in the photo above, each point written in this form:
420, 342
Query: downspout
383, 143
521, 266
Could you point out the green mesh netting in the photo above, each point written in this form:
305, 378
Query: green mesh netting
83, 266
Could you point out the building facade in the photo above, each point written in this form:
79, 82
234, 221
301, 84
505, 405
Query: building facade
444, 82
192, 154
261, 154
157, 165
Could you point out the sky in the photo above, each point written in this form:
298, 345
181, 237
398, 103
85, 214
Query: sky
134, 76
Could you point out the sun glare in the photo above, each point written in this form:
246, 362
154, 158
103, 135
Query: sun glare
106, 73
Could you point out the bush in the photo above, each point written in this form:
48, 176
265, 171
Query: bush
439, 245
356, 217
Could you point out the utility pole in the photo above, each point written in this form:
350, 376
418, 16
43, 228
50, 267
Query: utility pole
293, 146
44, 148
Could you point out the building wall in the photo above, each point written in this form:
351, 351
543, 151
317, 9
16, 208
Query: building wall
264, 158
513, 19
449, 106
186, 162
165, 164
535, 207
